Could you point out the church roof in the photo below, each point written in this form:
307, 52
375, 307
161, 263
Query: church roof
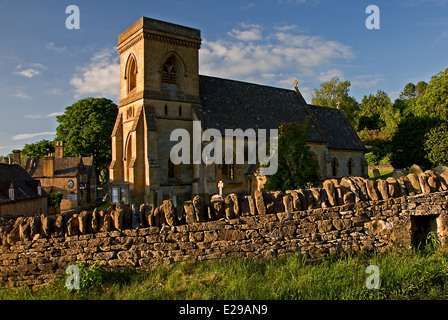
230, 104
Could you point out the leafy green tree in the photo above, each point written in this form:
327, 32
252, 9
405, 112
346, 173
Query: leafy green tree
436, 145
38, 149
408, 92
434, 103
296, 163
334, 93
408, 142
421, 88
86, 127
377, 112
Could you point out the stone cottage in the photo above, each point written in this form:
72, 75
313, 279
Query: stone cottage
74, 177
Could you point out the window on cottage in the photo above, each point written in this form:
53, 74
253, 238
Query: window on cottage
180, 110
169, 71
132, 74
334, 167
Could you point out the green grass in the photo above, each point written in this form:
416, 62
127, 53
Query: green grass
409, 274
384, 174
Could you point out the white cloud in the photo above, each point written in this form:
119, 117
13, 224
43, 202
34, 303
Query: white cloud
54, 91
279, 51
329, 75
22, 95
33, 69
25, 136
39, 116
248, 6
250, 32
29, 73
101, 76
52, 47
367, 80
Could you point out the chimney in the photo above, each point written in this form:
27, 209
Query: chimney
48, 166
59, 149
16, 157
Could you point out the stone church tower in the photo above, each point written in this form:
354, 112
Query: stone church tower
159, 87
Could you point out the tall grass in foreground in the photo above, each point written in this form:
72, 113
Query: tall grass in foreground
409, 274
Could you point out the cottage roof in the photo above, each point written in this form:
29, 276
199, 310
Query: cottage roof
14, 176
63, 167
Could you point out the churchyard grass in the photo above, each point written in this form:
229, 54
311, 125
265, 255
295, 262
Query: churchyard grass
384, 174
406, 274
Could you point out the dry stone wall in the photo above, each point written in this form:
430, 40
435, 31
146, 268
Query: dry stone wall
353, 215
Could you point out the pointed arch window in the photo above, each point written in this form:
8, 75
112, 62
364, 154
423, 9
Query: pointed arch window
170, 71
350, 166
334, 167
132, 74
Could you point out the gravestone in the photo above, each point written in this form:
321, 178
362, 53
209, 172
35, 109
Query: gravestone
415, 169
159, 200
173, 198
440, 169
398, 173
376, 173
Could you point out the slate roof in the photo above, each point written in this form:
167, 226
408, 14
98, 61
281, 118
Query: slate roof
63, 167
340, 134
14, 176
230, 104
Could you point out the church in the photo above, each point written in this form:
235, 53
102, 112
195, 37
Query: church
161, 90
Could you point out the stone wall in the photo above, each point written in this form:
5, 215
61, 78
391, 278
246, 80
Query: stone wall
350, 216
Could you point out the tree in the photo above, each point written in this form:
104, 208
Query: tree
334, 93
38, 149
408, 142
434, 103
86, 127
377, 112
436, 145
421, 88
408, 92
296, 163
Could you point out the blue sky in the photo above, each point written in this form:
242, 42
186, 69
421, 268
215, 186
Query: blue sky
44, 67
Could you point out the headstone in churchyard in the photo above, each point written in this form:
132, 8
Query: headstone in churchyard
173, 198
135, 217
440, 169
399, 173
152, 196
376, 173
415, 169
220, 187
159, 200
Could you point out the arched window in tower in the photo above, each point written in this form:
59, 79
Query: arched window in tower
169, 71
131, 74
350, 165
334, 167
